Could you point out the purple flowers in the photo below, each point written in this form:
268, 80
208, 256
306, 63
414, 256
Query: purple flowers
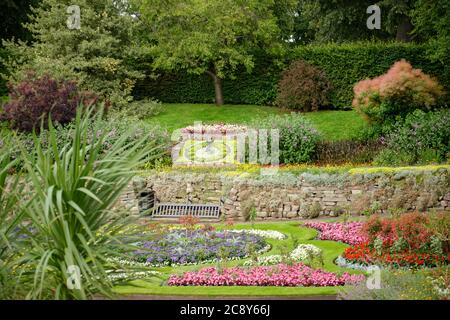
183, 247
281, 275
349, 232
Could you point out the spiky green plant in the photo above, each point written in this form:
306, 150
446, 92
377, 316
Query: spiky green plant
11, 215
76, 187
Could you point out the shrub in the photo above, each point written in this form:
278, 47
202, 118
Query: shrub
75, 188
142, 109
97, 55
116, 128
398, 92
421, 138
303, 87
297, 137
396, 285
34, 99
12, 204
347, 151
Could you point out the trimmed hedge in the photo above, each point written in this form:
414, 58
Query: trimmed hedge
344, 65
3, 87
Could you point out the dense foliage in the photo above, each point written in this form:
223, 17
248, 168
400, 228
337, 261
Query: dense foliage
207, 37
303, 87
398, 92
297, 137
34, 100
96, 55
344, 65
347, 151
70, 221
403, 285
116, 127
422, 137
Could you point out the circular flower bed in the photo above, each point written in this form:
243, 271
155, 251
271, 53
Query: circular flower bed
281, 275
218, 128
194, 246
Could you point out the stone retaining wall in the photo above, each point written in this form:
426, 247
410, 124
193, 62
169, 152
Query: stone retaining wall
291, 196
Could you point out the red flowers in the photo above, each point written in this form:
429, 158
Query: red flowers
407, 241
364, 253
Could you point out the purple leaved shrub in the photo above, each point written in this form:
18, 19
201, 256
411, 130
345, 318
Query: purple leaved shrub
32, 100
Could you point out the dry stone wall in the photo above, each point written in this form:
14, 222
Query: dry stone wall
296, 196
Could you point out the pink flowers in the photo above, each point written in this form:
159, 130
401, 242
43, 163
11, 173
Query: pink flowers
281, 275
350, 232
219, 128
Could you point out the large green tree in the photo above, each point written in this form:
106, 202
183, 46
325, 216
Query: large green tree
214, 37
344, 20
96, 54
431, 22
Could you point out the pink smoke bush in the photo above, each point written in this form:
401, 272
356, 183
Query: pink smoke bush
401, 89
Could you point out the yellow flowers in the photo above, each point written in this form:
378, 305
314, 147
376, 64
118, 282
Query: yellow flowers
239, 169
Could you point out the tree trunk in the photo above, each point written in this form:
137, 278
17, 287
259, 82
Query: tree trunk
217, 87
404, 29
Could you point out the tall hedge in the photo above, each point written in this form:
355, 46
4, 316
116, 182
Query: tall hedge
344, 64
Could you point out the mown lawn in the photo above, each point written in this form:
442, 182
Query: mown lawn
293, 230
334, 125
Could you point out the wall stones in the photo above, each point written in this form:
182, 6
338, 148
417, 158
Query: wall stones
287, 196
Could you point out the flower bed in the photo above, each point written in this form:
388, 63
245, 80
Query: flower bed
219, 128
281, 275
194, 246
306, 253
365, 254
350, 232
411, 240
268, 234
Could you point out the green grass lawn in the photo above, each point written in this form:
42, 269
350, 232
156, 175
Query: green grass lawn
331, 251
334, 125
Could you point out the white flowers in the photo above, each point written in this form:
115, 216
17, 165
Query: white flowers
269, 234
133, 275
265, 261
305, 253
130, 275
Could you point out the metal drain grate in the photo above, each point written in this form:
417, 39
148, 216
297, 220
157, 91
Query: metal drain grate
176, 210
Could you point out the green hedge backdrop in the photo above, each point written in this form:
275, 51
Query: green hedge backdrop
344, 64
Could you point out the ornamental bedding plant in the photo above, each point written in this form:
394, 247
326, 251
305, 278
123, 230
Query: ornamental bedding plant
413, 240
348, 232
281, 275
194, 246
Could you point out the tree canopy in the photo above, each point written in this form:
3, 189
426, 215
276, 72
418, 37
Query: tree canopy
94, 55
214, 37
